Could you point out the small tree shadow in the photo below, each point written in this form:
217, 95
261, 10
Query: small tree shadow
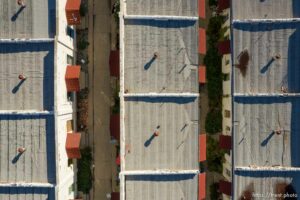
148, 142
15, 16
148, 64
266, 141
17, 87
267, 66
16, 158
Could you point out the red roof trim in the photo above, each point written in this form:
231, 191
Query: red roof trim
223, 4
115, 126
224, 47
115, 196
114, 63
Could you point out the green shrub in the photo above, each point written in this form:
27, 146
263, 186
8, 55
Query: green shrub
213, 121
84, 174
83, 9
213, 3
83, 44
215, 156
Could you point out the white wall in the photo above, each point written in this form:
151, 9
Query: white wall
66, 174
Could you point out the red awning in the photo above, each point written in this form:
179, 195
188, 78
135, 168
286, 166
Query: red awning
202, 147
202, 41
72, 12
201, 9
73, 145
225, 187
72, 78
114, 63
201, 186
223, 4
115, 126
115, 196
225, 142
202, 74
224, 47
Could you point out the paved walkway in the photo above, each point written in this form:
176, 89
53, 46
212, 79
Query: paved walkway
100, 96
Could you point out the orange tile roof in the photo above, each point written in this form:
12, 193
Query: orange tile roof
73, 5
201, 9
72, 78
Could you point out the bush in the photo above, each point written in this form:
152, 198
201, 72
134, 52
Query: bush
83, 44
214, 30
84, 174
214, 191
83, 9
213, 3
215, 156
213, 122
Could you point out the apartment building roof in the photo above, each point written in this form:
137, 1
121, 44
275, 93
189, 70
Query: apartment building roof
175, 43
159, 100
35, 61
149, 187
176, 120
35, 133
36, 20
266, 98
162, 7
265, 9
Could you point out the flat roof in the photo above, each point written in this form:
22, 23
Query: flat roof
264, 184
265, 9
255, 121
36, 62
36, 20
157, 187
176, 119
36, 134
176, 67
263, 41
162, 7
27, 193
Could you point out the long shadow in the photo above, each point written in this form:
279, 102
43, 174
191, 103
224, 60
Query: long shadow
162, 178
177, 100
50, 146
162, 23
35, 192
16, 158
48, 81
16, 15
296, 8
266, 141
267, 66
148, 64
148, 142
17, 87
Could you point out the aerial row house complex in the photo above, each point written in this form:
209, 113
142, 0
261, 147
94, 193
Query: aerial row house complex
265, 88
159, 50
38, 139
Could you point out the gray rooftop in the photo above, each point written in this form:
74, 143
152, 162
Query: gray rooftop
162, 7
265, 9
175, 69
176, 148
263, 41
36, 62
36, 134
36, 20
266, 184
158, 187
256, 118
26, 193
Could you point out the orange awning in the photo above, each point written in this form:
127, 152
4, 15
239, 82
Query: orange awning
202, 74
72, 12
202, 41
73, 145
201, 9
72, 78
201, 186
202, 147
